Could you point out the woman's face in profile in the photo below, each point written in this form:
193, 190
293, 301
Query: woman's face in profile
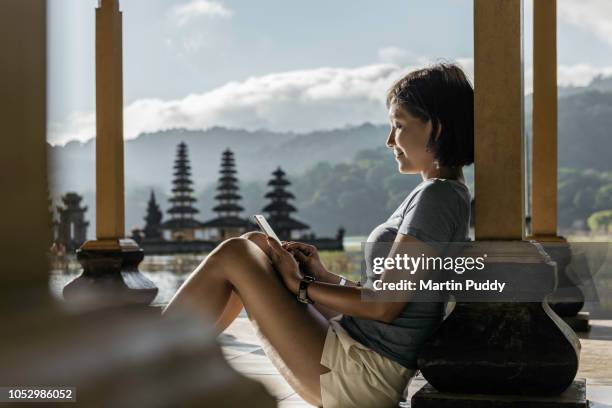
408, 138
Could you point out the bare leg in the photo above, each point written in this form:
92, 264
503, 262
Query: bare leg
234, 304
297, 333
232, 309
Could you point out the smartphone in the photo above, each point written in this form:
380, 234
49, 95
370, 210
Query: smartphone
265, 227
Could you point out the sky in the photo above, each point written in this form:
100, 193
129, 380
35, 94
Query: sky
282, 65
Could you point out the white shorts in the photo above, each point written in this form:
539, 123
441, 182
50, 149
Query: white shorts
359, 376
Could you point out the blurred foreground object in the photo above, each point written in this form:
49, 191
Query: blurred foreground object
119, 357
124, 357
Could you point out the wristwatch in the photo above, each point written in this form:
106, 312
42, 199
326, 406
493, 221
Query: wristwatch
302, 295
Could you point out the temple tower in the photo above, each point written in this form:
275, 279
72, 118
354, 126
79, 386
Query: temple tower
228, 222
228, 196
182, 225
152, 229
72, 227
279, 209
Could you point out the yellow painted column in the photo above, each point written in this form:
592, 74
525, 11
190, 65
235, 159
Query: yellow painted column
498, 120
544, 164
25, 220
111, 257
110, 219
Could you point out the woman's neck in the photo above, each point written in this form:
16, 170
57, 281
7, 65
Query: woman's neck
450, 173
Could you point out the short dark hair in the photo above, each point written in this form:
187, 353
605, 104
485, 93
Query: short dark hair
443, 94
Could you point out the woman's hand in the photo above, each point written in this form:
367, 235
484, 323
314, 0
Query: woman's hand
308, 258
286, 265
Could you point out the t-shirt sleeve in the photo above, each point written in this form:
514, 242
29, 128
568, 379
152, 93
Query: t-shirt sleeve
429, 216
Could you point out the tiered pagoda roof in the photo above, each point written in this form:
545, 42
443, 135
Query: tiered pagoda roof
279, 209
228, 206
72, 202
182, 202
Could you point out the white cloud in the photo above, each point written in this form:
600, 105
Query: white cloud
567, 75
467, 64
580, 75
592, 15
197, 8
291, 101
570, 75
400, 56
297, 101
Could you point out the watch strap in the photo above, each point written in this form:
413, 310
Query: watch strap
303, 289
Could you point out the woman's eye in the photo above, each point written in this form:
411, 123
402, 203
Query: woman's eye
398, 126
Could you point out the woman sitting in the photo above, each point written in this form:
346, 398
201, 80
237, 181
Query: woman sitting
340, 350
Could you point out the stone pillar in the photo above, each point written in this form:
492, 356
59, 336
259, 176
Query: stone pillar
488, 354
111, 261
568, 299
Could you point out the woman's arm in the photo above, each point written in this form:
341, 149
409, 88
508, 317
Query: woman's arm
350, 299
308, 258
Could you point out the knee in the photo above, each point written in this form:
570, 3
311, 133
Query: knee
228, 249
255, 236
238, 247
237, 255
232, 244
258, 238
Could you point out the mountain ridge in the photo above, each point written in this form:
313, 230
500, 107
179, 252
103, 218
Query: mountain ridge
585, 124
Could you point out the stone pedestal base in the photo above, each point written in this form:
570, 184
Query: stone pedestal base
568, 299
573, 397
504, 348
579, 323
110, 275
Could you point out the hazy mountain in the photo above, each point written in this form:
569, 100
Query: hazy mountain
585, 142
150, 157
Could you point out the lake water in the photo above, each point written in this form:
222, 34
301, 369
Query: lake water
168, 272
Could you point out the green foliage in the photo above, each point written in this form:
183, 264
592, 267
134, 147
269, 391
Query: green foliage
360, 194
347, 264
585, 120
582, 192
603, 197
357, 195
601, 221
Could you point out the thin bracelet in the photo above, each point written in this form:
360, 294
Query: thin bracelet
342, 281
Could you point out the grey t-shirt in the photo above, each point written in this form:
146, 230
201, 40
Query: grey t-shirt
436, 211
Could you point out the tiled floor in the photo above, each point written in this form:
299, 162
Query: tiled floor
244, 352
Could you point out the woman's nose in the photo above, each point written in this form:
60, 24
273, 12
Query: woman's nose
390, 139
